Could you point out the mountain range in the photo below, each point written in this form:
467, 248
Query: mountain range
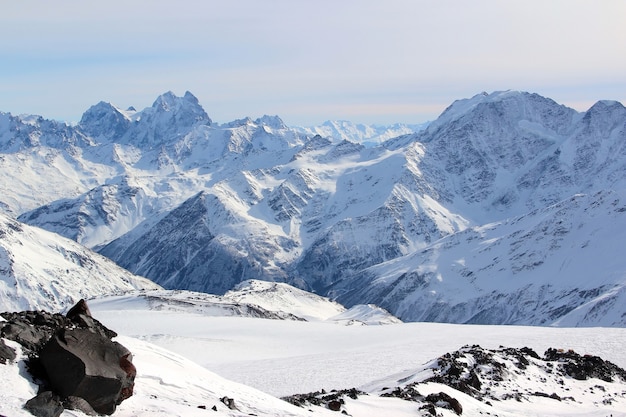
507, 209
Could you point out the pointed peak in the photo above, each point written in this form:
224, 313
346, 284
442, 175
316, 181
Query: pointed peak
273, 122
103, 106
604, 105
239, 123
190, 98
183, 108
165, 101
169, 99
104, 119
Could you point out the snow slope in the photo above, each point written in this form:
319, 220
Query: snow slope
360, 133
285, 357
170, 195
250, 298
289, 357
42, 270
561, 265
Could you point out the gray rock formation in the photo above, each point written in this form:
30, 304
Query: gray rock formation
79, 365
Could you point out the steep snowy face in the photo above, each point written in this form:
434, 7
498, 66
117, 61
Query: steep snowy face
102, 214
557, 265
41, 270
370, 135
169, 118
23, 133
596, 151
201, 206
479, 150
104, 121
206, 244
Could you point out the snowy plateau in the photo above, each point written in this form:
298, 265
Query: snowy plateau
285, 258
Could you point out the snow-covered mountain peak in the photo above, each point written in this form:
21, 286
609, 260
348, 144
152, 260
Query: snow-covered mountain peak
273, 122
370, 135
608, 104
170, 102
605, 115
186, 109
104, 121
508, 107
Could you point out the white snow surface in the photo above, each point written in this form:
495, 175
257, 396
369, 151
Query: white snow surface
274, 295
186, 360
250, 298
42, 270
189, 357
360, 133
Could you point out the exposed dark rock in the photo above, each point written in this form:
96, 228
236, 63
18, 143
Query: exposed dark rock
80, 404
77, 310
408, 393
334, 405
554, 396
74, 359
429, 409
229, 402
87, 365
443, 400
22, 331
322, 398
455, 373
489, 374
583, 367
33, 329
45, 404
7, 354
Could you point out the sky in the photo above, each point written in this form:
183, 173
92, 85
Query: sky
368, 61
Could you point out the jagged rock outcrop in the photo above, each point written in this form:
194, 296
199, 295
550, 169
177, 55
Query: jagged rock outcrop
515, 373
74, 356
7, 354
490, 376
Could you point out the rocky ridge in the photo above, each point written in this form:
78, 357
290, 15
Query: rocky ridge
489, 375
256, 199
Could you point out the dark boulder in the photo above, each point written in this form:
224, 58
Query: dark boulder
33, 329
23, 332
583, 367
88, 365
45, 404
80, 404
7, 354
443, 400
73, 357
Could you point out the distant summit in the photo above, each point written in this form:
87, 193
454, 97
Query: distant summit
507, 198
369, 135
